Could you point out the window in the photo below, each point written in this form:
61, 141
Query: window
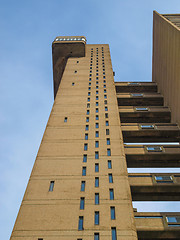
96, 155
97, 92
97, 125
90, 75
97, 98
90, 79
86, 136
90, 71
87, 112
108, 152
105, 96
96, 198
110, 178
105, 101
97, 87
106, 115
107, 131
97, 110
87, 127
137, 94
85, 158
164, 179
147, 126
173, 219
87, 119
113, 213
104, 80
97, 77
97, 117
75, 71
97, 82
51, 186
141, 109
106, 108
97, 134
82, 203
109, 164
89, 93
88, 99
83, 186
96, 218
96, 144
84, 171
108, 141
111, 194
113, 233
96, 182
80, 227
96, 236
88, 105
97, 103
96, 167
133, 83
107, 123
89, 88
77, 61
104, 90
65, 119
154, 149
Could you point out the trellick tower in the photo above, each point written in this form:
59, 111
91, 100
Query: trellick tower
79, 187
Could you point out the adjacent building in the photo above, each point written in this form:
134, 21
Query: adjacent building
79, 188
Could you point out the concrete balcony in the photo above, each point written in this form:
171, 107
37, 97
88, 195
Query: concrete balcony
154, 226
140, 99
145, 114
140, 156
159, 132
135, 87
155, 186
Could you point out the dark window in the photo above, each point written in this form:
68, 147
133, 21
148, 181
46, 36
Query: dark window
85, 147
111, 194
75, 71
106, 108
89, 93
97, 82
96, 218
97, 110
107, 123
88, 99
88, 105
96, 198
87, 112
87, 127
87, 119
109, 164
96, 182
113, 213
84, 171
97, 134
86, 136
97, 104
51, 186
105, 101
106, 115
154, 149
108, 141
104, 90
97, 92
80, 227
96, 155
97, 97
105, 96
113, 233
89, 88
107, 131
97, 117
82, 203
65, 119
97, 125
96, 236
110, 178
82, 186
108, 152
85, 158
96, 144
96, 167
77, 61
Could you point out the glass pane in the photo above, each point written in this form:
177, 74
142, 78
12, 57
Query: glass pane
112, 213
111, 193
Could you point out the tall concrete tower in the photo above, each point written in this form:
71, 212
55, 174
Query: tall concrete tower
79, 188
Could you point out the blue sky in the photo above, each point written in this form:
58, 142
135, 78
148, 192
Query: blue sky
27, 31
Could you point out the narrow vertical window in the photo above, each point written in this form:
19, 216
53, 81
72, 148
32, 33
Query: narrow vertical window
96, 182
80, 226
83, 186
87, 112
72, 83
97, 134
97, 87
86, 136
88, 105
87, 127
111, 194
107, 123
106, 115
90, 82
97, 110
97, 125
85, 147
96, 236
106, 108
88, 99
108, 152
96, 167
87, 119
97, 117
104, 86
89, 93
113, 213
96, 198
96, 218
65, 119
110, 178
107, 131
97, 97
96, 155
85, 158
109, 164
97, 92
84, 171
113, 233
104, 90
89, 87
51, 186
96, 144
97, 104
82, 203
108, 141
105, 96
